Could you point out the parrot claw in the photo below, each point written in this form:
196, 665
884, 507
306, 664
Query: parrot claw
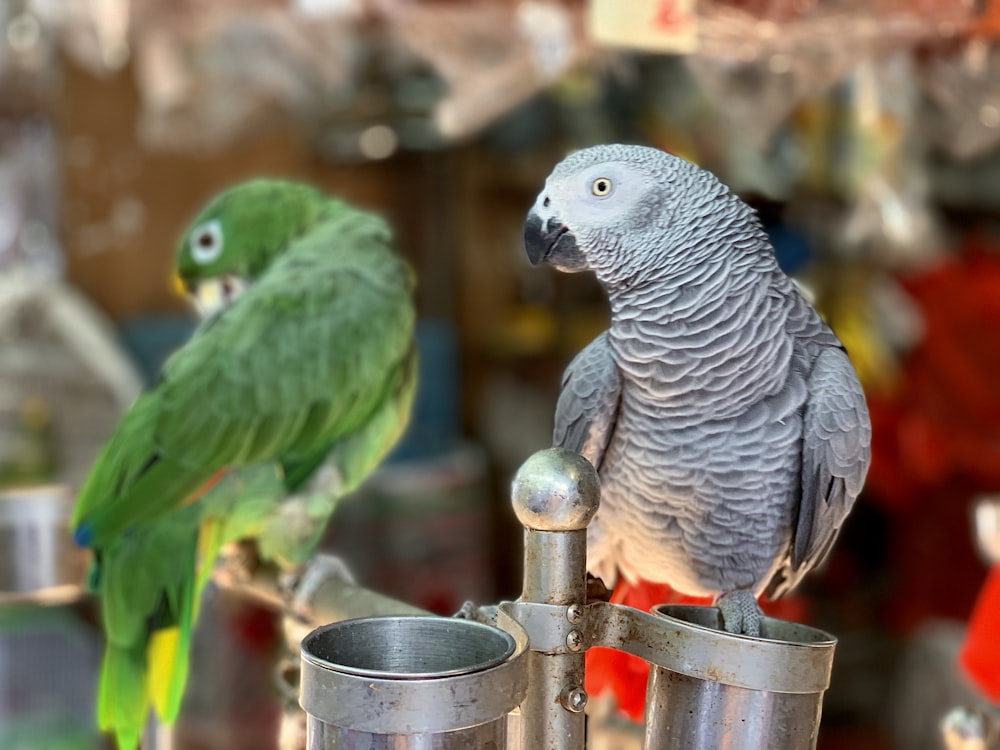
741, 614
486, 614
307, 580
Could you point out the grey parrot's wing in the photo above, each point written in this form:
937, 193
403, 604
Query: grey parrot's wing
836, 452
588, 403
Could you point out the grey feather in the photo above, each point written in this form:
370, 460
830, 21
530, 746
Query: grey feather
836, 450
728, 427
588, 402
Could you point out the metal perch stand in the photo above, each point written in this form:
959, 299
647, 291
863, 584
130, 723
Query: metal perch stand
417, 681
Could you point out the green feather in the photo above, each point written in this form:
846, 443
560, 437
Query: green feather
312, 365
122, 702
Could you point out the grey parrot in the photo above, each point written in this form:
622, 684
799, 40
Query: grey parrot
725, 420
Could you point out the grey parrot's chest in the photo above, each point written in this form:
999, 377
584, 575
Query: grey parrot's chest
701, 502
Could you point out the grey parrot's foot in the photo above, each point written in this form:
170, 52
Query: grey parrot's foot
307, 580
740, 613
486, 614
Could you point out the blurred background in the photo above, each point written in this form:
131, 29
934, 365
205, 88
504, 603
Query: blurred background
866, 132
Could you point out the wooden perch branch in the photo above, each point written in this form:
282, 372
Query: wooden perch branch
334, 599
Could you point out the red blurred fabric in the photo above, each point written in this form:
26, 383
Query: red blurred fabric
625, 675
944, 419
936, 438
980, 654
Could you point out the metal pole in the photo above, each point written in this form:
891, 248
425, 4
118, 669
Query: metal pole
555, 495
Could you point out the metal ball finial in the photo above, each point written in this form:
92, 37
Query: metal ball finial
556, 490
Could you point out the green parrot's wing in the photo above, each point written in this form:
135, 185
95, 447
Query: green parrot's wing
289, 536
152, 578
299, 360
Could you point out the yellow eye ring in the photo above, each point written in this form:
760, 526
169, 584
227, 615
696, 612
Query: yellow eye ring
601, 187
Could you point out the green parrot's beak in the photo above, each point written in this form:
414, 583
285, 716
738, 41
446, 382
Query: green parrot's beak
179, 287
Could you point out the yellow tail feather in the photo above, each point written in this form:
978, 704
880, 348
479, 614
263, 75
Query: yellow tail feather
167, 652
167, 666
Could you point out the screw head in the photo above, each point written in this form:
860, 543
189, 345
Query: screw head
574, 614
574, 640
574, 699
556, 490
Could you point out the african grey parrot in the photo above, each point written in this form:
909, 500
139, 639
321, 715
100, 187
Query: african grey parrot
724, 417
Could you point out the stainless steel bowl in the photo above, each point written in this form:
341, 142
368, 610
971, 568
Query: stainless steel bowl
39, 562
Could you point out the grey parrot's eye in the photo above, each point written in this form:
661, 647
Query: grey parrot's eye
206, 242
601, 187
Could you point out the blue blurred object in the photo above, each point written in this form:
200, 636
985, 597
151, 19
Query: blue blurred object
435, 423
793, 248
150, 339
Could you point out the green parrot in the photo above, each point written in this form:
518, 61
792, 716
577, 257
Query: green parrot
294, 387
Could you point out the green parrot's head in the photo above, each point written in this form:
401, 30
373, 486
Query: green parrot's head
239, 233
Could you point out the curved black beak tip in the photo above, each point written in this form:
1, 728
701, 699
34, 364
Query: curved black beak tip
540, 238
536, 243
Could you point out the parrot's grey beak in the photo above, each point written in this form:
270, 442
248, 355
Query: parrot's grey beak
544, 240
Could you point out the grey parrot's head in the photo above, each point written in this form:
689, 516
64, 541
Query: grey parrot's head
618, 209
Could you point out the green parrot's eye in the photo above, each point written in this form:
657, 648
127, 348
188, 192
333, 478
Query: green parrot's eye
601, 187
206, 242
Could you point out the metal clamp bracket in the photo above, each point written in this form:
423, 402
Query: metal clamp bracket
551, 628
697, 651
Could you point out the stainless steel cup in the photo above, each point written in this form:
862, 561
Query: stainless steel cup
409, 683
738, 692
39, 563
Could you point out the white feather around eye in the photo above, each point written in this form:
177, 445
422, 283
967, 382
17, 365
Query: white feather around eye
206, 242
